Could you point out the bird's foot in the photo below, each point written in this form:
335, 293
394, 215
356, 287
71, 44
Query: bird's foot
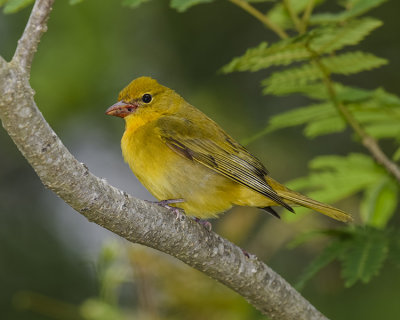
206, 224
179, 212
248, 255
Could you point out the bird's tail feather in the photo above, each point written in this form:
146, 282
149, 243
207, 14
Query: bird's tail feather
302, 200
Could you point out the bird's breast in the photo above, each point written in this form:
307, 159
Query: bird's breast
168, 175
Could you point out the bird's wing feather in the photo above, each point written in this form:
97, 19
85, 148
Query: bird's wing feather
212, 147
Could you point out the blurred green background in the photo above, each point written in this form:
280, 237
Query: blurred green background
54, 264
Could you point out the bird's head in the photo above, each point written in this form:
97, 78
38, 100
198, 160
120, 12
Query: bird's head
142, 94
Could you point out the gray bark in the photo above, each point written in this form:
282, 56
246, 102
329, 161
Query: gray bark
133, 219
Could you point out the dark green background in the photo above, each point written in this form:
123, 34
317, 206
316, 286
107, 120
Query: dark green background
90, 52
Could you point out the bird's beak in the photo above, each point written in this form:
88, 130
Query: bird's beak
121, 109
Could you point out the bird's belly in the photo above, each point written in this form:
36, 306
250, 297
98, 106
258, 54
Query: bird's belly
168, 175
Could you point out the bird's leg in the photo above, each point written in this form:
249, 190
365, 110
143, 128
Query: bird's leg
248, 255
206, 224
179, 212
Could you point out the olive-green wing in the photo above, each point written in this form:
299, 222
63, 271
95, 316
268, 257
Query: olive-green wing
209, 145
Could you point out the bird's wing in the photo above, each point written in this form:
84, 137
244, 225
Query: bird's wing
209, 145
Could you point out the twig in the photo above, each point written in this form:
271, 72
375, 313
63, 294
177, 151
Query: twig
293, 16
36, 26
261, 17
132, 219
307, 14
368, 142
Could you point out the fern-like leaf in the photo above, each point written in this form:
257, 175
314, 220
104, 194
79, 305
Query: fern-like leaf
365, 256
282, 53
327, 39
360, 7
347, 63
379, 115
336, 177
302, 115
379, 203
304, 75
325, 126
352, 62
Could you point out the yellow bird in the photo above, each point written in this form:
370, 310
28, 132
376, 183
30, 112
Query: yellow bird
188, 161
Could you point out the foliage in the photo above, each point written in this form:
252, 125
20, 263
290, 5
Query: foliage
361, 252
12, 6
161, 290
335, 177
310, 63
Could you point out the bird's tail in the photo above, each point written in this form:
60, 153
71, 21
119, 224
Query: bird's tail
302, 200
292, 197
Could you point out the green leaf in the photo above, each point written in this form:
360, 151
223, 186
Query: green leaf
347, 63
183, 5
359, 8
379, 114
386, 98
379, 203
352, 62
133, 3
336, 177
73, 2
332, 38
325, 126
390, 129
330, 253
352, 94
279, 15
12, 6
396, 155
315, 90
319, 91
283, 52
291, 77
319, 119
364, 258
302, 115
343, 163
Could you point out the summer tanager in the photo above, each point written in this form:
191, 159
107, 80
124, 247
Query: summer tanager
184, 158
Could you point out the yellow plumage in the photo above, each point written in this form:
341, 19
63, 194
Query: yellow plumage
177, 152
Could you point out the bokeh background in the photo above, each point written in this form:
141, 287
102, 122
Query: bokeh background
54, 264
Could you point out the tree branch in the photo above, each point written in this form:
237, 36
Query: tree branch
115, 210
36, 26
261, 17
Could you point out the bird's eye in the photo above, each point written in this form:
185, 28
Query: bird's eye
146, 98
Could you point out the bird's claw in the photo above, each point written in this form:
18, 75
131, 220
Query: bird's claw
206, 224
179, 212
248, 255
